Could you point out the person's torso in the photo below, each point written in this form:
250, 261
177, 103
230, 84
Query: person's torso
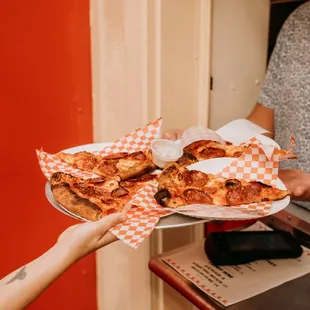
292, 112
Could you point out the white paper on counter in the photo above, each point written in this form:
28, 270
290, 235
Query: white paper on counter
232, 284
242, 130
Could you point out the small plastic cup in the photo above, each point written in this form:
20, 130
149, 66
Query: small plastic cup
165, 151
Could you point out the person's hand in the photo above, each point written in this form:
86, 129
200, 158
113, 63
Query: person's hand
173, 134
298, 182
82, 239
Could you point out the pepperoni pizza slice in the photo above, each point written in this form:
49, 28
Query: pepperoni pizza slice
178, 186
97, 197
121, 166
207, 149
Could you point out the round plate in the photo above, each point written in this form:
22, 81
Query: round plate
170, 221
212, 166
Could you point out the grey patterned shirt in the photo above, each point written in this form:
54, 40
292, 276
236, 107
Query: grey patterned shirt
287, 87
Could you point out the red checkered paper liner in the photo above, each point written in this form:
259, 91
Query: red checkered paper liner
50, 164
138, 140
253, 165
270, 150
258, 163
143, 215
194, 134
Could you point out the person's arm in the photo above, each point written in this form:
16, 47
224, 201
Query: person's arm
263, 117
23, 286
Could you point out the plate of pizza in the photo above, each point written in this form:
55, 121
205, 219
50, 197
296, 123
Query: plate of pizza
92, 185
116, 178
91, 181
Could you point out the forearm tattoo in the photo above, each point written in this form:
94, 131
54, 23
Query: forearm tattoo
20, 275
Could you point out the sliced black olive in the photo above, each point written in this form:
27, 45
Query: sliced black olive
161, 196
232, 183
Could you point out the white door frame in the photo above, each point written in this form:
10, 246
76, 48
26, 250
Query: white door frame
133, 57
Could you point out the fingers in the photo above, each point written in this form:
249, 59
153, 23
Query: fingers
179, 134
173, 134
106, 223
106, 239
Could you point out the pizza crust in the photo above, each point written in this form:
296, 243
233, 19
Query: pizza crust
75, 204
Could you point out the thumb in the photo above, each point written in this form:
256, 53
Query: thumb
106, 223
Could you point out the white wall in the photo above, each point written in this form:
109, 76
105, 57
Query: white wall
239, 55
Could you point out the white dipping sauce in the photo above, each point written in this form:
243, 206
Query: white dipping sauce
167, 151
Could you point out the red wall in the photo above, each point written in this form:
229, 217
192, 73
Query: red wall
45, 91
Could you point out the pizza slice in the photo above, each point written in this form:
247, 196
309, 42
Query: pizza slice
207, 149
121, 165
178, 186
187, 159
97, 197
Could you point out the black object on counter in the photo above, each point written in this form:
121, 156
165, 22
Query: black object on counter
242, 247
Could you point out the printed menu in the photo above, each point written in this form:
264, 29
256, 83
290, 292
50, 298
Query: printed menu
231, 284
